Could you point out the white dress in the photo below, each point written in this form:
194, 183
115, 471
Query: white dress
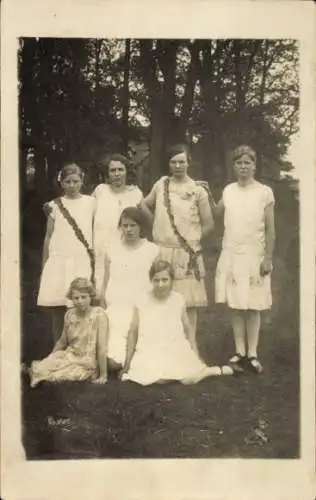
109, 206
163, 351
238, 282
68, 258
129, 278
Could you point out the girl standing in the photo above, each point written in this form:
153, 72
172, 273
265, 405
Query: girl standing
244, 267
111, 198
158, 346
126, 266
67, 251
80, 353
182, 218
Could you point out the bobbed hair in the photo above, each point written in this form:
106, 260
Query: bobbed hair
161, 265
81, 285
104, 165
70, 169
244, 149
177, 149
136, 215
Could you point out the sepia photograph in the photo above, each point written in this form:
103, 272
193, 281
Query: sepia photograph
159, 202
158, 208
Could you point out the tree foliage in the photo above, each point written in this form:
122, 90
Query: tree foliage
83, 98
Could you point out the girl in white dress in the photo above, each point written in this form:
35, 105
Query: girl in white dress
111, 197
244, 267
67, 251
125, 278
158, 347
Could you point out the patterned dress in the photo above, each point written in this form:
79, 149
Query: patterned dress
185, 199
79, 360
109, 206
238, 282
68, 258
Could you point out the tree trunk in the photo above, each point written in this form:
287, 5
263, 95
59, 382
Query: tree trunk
125, 99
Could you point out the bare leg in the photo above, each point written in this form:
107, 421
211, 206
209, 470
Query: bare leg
192, 316
253, 328
239, 330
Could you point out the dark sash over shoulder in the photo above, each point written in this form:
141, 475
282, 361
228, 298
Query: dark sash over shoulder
79, 234
193, 255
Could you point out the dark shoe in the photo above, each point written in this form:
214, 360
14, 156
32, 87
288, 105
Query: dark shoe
254, 365
237, 363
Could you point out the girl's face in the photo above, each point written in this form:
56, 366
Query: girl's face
117, 173
130, 230
81, 300
179, 165
71, 185
162, 284
244, 167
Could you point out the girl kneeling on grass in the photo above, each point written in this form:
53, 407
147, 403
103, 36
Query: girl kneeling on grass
158, 349
80, 353
244, 268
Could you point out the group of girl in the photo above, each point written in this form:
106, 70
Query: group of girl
148, 293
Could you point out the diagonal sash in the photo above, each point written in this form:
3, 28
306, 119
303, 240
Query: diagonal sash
193, 255
71, 221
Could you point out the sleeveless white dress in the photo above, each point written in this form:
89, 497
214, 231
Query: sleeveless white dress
163, 351
68, 258
129, 279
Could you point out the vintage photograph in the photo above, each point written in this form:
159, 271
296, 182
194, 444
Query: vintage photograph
159, 247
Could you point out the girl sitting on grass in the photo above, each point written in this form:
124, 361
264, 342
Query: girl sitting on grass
158, 347
80, 353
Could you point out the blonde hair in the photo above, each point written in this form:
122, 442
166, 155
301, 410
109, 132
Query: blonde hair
243, 149
81, 285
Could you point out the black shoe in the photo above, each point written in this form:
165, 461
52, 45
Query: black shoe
254, 365
237, 363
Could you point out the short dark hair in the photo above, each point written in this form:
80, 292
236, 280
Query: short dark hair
104, 164
82, 285
177, 149
161, 265
135, 214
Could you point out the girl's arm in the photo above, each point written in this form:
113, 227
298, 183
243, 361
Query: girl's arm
102, 344
206, 217
147, 205
218, 208
49, 231
131, 342
266, 266
105, 281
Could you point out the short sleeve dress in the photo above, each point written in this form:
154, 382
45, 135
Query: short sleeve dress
68, 258
79, 360
238, 282
184, 200
129, 279
163, 352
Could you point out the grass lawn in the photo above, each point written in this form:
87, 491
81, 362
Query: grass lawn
248, 416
